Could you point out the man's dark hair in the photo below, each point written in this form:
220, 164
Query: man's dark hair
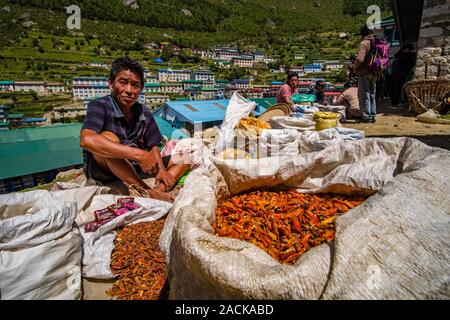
365, 31
320, 83
125, 63
291, 75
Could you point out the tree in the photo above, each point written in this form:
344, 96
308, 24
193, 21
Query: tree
34, 95
341, 76
167, 53
41, 50
35, 42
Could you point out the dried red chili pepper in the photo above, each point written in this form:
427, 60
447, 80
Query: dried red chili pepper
285, 224
139, 263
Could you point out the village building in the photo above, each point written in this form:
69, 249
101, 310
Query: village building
90, 81
186, 84
152, 87
222, 64
171, 87
151, 79
242, 61
196, 115
84, 92
268, 59
24, 86
299, 56
240, 83
333, 65
203, 75
258, 56
299, 69
312, 68
170, 75
222, 83
55, 87
6, 86
226, 53
156, 99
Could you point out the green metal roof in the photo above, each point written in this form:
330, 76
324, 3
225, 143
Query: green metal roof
41, 133
152, 85
6, 82
191, 81
4, 124
265, 102
18, 159
33, 150
171, 84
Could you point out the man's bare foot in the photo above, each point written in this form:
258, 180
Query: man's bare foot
162, 187
160, 195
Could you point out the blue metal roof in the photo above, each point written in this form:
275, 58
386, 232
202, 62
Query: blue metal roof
31, 120
200, 111
170, 131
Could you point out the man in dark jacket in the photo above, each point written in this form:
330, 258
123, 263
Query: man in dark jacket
405, 61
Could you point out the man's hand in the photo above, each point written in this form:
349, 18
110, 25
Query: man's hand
165, 177
148, 163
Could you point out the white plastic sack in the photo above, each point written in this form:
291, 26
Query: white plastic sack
98, 245
312, 141
288, 122
431, 116
238, 108
190, 151
275, 143
393, 246
350, 134
82, 196
40, 255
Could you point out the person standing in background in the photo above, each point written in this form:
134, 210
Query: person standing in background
402, 67
366, 78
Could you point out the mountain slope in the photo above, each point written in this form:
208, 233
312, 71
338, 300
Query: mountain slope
248, 17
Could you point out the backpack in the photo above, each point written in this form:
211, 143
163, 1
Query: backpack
379, 55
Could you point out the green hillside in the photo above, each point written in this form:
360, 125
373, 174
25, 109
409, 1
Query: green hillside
35, 43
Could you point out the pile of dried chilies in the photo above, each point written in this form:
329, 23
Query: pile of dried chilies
284, 224
139, 263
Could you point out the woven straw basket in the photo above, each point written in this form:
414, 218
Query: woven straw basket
424, 95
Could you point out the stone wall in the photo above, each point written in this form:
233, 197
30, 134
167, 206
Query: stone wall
434, 40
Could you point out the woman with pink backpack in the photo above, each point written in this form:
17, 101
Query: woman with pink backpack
372, 58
